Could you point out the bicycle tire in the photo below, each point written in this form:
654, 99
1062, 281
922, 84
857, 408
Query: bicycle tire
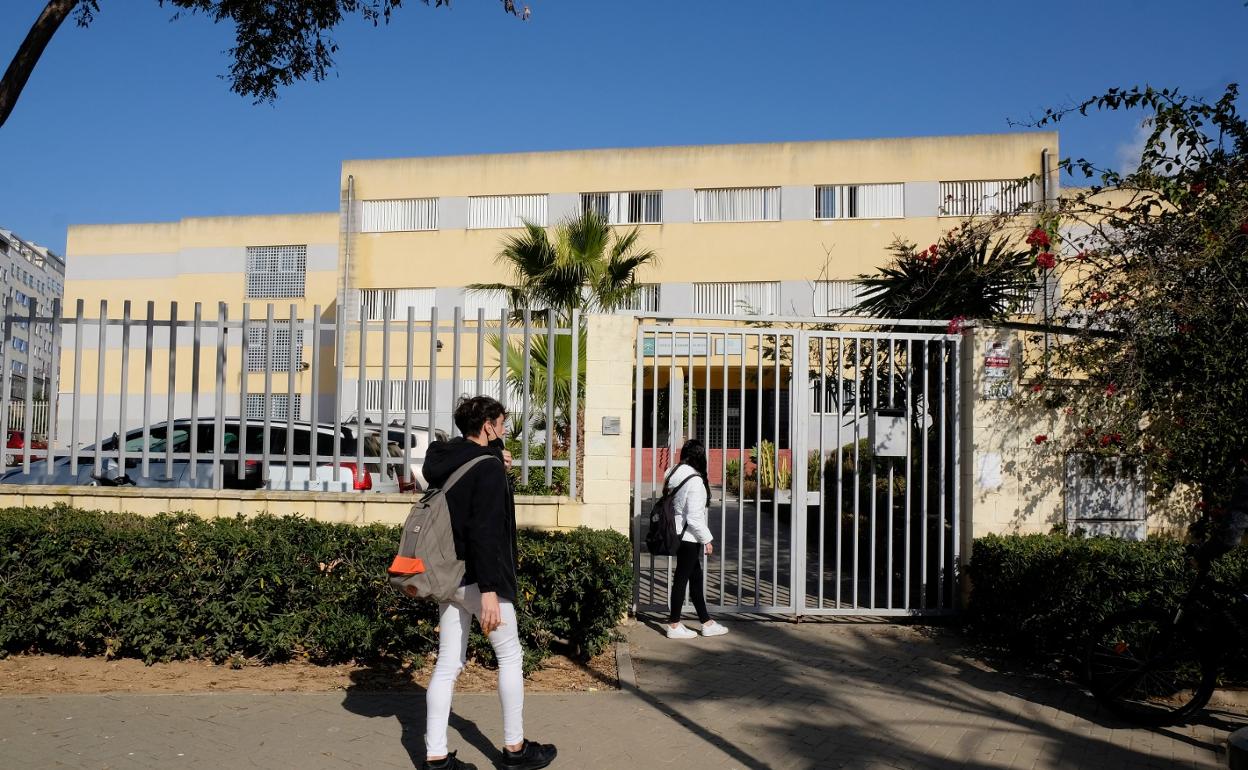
1148, 670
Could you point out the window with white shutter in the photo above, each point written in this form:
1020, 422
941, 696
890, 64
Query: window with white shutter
400, 215
976, 198
487, 211
626, 208
859, 201
737, 204
743, 298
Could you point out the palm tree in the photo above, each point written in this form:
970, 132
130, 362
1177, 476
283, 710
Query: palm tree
582, 263
965, 274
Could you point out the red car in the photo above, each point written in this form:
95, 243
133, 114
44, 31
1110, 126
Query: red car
16, 442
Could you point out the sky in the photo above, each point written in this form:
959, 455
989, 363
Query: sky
130, 120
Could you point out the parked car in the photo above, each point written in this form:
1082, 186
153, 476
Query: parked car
15, 443
297, 475
392, 480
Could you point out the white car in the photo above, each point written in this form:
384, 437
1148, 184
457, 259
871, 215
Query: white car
392, 480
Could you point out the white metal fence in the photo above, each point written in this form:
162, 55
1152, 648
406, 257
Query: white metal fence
218, 427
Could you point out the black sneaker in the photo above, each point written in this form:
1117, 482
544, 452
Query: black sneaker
450, 763
531, 756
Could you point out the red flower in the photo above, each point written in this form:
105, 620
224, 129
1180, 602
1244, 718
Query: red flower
1068, 411
932, 249
1111, 389
1046, 260
1197, 188
1038, 237
1243, 228
1037, 388
1185, 328
1098, 296
1040, 439
1088, 432
1201, 505
1105, 439
955, 324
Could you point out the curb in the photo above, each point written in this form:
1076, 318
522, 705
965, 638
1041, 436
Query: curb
624, 666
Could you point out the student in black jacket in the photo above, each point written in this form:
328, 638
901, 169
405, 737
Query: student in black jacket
483, 520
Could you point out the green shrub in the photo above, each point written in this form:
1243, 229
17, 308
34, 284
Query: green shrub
1038, 595
560, 479
271, 589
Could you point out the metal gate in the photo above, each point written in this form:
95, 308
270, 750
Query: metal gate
833, 463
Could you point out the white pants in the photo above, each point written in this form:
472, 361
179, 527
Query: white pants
455, 619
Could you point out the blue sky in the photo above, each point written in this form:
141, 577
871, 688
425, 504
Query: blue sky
129, 121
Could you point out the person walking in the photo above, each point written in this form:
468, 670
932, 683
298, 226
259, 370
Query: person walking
690, 506
483, 520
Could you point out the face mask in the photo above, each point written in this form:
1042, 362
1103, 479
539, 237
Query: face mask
496, 443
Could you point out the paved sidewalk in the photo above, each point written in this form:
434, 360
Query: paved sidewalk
770, 694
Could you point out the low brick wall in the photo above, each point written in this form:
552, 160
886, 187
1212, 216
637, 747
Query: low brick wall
342, 507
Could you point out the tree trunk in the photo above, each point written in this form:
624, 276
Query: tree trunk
15, 77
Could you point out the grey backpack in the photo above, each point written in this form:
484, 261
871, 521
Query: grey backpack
426, 566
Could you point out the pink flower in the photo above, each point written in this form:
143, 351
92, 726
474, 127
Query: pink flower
955, 324
1037, 388
1197, 188
1046, 260
1111, 389
1038, 237
1082, 256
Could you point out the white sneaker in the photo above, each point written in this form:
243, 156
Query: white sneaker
713, 629
680, 632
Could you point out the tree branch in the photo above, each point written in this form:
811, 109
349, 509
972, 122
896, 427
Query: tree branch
15, 77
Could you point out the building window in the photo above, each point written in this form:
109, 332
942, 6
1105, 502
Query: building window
625, 208
375, 395
859, 201
968, 199
379, 304
402, 215
487, 211
837, 297
279, 407
276, 271
258, 355
749, 298
645, 299
738, 204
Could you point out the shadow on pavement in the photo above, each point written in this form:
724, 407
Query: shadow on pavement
386, 690
833, 695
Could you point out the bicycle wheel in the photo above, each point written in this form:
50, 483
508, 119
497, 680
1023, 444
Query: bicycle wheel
1147, 669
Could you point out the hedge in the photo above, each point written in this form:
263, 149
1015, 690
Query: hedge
271, 589
1037, 596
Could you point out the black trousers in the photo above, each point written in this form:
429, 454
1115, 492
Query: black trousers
688, 573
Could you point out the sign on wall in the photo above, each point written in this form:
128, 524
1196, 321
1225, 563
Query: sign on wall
998, 379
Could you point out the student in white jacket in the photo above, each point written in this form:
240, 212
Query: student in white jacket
691, 520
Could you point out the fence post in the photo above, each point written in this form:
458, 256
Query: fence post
6, 362
54, 386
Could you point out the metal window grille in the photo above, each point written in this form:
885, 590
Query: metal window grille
399, 215
279, 405
257, 356
645, 299
276, 271
965, 199
859, 201
379, 304
737, 204
750, 298
376, 395
837, 297
485, 211
626, 208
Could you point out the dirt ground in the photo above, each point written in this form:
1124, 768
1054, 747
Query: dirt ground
54, 674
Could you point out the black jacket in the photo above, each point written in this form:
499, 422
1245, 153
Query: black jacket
483, 513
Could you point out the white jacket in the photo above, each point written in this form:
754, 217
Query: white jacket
690, 502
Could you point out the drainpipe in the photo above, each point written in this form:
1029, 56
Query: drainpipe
1044, 176
346, 270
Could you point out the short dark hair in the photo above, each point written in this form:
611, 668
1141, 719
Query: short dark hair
473, 412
